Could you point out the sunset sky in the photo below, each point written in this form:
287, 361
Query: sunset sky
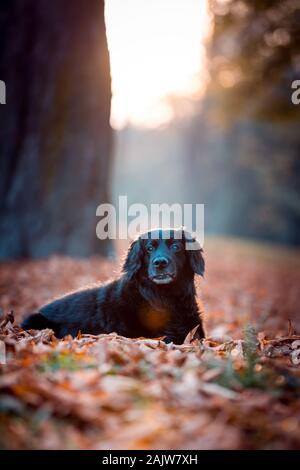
156, 50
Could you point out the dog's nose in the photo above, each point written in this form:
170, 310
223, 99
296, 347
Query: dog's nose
160, 262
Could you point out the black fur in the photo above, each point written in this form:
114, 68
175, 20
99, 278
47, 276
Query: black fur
155, 296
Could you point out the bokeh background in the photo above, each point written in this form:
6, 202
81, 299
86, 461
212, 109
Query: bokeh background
201, 112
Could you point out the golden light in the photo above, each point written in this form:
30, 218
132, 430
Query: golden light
156, 51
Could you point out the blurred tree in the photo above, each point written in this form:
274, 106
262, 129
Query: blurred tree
247, 153
54, 131
255, 57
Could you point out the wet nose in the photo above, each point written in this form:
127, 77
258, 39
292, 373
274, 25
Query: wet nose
160, 262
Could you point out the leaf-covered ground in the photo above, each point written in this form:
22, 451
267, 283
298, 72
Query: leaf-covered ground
238, 389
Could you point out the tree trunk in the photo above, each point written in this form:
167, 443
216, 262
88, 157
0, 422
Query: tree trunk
55, 137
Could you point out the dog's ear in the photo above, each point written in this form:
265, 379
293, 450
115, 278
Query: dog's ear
194, 254
133, 261
197, 261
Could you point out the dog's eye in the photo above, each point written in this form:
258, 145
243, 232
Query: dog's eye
150, 248
175, 247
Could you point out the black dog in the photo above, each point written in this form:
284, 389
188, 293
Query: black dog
154, 297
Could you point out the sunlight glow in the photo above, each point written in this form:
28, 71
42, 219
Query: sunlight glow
156, 53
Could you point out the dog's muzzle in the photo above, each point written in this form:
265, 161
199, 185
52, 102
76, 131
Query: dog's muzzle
165, 278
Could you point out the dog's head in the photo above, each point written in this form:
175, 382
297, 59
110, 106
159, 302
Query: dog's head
164, 256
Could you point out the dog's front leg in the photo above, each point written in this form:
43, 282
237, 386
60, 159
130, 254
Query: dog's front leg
178, 330
175, 335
